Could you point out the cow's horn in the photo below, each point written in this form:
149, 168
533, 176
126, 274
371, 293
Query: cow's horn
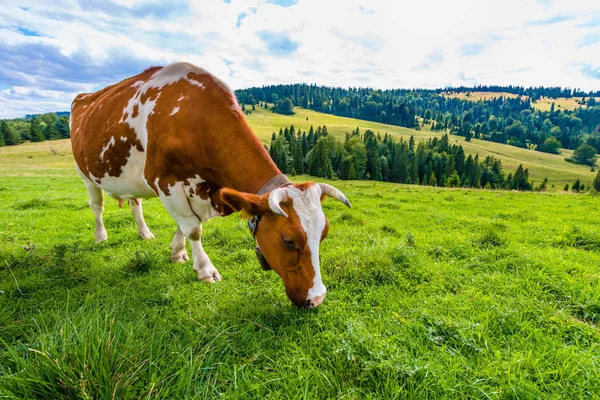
277, 196
330, 191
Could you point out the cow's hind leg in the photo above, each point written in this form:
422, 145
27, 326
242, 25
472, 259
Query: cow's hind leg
97, 206
177, 205
135, 205
178, 251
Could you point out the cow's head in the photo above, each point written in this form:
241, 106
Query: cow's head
289, 231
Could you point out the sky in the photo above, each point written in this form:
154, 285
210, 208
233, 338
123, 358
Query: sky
52, 50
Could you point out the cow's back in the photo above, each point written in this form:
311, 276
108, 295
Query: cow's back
167, 125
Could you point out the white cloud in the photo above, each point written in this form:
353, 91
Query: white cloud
379, 43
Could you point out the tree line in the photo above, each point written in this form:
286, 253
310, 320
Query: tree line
503, 119
370, 156
36, 128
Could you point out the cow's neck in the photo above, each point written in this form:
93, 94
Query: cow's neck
248, 167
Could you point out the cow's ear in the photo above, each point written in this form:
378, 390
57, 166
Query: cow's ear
247, 202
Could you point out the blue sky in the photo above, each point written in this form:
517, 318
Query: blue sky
51, 50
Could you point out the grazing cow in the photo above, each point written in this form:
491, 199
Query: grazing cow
177, 132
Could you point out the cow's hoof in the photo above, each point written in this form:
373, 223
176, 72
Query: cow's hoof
179, 258
210, 275
147, 235
100, 236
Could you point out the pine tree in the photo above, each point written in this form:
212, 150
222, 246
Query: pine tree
35, 130
8, 135
298, 164
63, 127
50, 132
576, 186
320, 161
373, 161
454, 180
385, 169
596, 184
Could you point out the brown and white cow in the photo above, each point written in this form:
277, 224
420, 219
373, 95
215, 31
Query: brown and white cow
177, 132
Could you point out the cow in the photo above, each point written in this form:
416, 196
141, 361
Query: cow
178, 133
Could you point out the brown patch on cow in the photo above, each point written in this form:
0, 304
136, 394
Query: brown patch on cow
153, 68
196, 233
134, 113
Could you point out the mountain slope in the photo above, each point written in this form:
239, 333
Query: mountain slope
559, 172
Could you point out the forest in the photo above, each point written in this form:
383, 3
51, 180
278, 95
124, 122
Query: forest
512, 121
370, 156
34, 128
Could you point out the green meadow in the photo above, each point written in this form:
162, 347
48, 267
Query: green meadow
541, 165
432, 293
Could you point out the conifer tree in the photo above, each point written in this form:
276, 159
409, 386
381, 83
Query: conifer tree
35, 130
596, 184
320, 162
8, 135
373, 161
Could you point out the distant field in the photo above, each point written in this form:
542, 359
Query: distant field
543, 104
432, 293
476, 96
561, 103
541, 165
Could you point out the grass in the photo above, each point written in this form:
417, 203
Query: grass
433, 293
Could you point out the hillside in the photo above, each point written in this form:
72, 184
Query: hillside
265, 122
540, 165
432, 293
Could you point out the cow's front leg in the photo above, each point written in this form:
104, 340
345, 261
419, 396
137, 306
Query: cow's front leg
206, 271
178, 206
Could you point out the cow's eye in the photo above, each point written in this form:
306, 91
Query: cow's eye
287, 242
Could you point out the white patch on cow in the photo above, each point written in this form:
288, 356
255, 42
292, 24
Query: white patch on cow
307, 205
123, 139
202, 209
131, 184
111, 142
140, 121
194, 82
137, 84
175, 109
180, 98
173, 73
